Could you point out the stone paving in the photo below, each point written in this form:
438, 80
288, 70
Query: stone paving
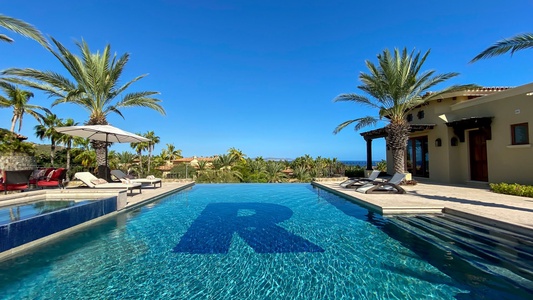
492, 208
149, 193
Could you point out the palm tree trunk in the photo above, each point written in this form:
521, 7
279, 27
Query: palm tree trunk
397, 136
139, 153
13, 122
52, 152
68, 157
149, 157
99, 147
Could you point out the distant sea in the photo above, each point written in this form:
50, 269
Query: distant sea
361, 163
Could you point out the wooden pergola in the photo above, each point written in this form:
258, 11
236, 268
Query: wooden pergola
381, 133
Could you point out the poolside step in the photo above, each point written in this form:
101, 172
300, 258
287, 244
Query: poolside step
473, 244
511, 242
490, 249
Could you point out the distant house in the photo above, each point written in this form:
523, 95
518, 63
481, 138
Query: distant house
193, 161
471, 136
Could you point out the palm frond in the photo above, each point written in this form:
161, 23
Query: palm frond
5, 38
360, 123
513, 44
22, 28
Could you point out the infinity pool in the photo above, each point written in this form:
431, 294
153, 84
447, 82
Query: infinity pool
241, 241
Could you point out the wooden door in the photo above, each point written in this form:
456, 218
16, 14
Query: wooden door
478, 156
417, 158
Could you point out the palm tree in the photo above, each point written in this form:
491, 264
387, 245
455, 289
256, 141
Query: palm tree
396, 86
126, 161
95, 87
139, 147
239, 156
513, 44
87, 158
47, 130
171, 153
274, 171
153, 140
22, 28
18, 100
225, 161
66, 139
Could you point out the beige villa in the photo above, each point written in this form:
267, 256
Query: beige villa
470, 137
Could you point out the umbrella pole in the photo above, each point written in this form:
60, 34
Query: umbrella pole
105, 170
106, 150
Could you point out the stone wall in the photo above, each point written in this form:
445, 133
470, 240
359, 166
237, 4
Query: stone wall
15, 162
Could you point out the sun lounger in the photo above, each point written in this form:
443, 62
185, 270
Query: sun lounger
388, 187
153, 181
91, 181
357, 182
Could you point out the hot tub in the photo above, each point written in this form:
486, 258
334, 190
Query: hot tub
27, 222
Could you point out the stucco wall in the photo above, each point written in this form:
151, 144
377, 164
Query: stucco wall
506, 163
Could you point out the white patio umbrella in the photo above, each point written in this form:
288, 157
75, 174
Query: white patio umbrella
105, 133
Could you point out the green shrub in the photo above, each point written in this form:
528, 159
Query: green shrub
382, 166
9, 144
354, 171
512, 189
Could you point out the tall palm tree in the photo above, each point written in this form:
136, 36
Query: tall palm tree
22, 28
396, 85
153, 140
67, 139
46, 130
139, 147
95, 86
512, 44
18, 100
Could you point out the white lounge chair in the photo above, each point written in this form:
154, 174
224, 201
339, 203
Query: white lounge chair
357, 182
391, 186
153, 181
92, 181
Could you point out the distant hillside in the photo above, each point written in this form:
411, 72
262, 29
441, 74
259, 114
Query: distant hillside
277, 159
45, 149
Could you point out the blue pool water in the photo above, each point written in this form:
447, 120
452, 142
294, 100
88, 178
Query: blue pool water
253, 241
27, 210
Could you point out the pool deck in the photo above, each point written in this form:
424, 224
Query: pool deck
149, 193
480, 204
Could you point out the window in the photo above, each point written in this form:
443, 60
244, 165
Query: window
409, 117
454, 141
519, 134
420, 114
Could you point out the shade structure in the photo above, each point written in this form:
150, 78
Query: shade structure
104, 133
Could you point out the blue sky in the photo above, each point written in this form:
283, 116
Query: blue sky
261, 75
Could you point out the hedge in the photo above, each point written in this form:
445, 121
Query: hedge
512, 189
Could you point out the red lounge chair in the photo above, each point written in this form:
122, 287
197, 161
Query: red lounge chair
40, 174
15, 180
55, 180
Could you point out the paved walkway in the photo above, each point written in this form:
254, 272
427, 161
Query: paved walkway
149, 193
488, 207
